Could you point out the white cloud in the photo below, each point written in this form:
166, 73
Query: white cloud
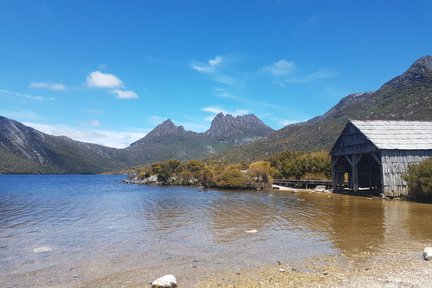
110, 138
98, 79
125, 94
48, 86
281, 68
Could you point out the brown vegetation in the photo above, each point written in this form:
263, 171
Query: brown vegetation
256, 175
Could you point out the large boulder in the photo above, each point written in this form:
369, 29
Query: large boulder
167, 281
427, 253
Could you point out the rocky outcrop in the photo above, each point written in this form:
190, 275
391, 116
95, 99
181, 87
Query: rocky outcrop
248, 127
166, 129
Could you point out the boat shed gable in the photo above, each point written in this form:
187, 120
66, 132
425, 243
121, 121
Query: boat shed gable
352, 141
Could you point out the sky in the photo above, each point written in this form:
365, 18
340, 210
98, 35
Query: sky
108, 72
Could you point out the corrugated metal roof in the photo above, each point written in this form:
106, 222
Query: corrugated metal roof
399, 135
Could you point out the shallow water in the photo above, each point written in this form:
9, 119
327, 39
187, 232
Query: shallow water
95, 227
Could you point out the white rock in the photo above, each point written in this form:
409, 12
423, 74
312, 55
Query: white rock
167, 281
251, 231
320, 188
43, 249
282, 270
427, 253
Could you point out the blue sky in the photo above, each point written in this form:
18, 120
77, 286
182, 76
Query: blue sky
109, 71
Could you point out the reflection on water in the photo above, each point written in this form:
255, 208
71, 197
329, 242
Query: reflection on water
97, 226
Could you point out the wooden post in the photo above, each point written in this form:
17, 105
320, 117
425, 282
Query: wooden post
354, 171
334, 176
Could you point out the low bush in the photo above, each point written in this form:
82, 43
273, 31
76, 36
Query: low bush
419, 178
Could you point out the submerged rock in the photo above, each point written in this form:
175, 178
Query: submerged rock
167, 281
427, 253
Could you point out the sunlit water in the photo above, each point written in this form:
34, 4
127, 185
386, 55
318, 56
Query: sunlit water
95, 226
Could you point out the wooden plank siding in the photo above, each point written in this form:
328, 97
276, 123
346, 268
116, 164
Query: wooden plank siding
394, 164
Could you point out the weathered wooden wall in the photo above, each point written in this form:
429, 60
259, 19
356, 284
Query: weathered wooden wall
394, 165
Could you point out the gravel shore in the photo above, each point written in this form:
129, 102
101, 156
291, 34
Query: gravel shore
400, 266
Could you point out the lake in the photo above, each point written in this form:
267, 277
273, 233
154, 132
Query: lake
94, 226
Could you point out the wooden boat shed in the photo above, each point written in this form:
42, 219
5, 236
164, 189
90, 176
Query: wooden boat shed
374, 154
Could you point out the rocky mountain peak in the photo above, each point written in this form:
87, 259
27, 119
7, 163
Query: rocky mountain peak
166, 128
225, 126
422, 65
419, 71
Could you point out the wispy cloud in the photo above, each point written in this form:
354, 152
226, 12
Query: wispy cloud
210, 66
48, 86
215, 69
227, 94
94, 111
9, 93
281, 68
98, 79
20, 115
95, 123
110, 138
285, 72
125, 94
155, 119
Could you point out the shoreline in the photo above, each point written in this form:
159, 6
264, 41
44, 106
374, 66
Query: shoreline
399, 266
391, 268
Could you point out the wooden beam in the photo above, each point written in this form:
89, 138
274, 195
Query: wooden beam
349, 160
376, 158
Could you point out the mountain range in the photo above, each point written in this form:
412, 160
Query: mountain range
27, 150
241, 138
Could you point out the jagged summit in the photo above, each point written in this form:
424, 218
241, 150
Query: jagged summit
422, 65
419, 71
225, 126
165, 129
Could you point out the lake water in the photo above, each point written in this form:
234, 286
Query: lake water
95, 227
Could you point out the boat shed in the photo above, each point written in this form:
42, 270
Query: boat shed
374, 155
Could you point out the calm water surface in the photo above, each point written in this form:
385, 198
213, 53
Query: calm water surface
96, 226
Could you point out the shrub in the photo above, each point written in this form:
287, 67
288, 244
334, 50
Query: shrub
419, 178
